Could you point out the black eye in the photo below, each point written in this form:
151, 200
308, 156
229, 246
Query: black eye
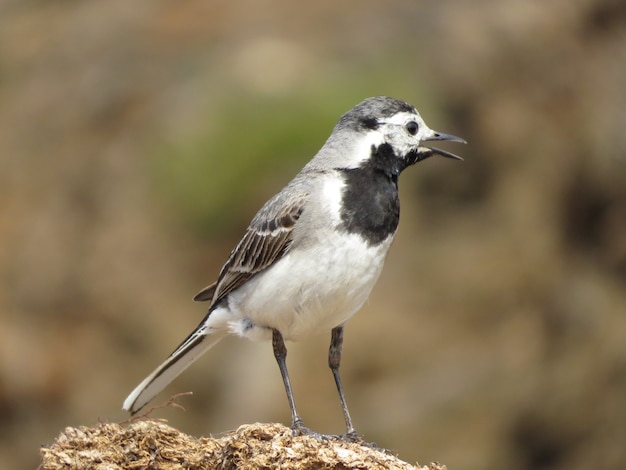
412, 127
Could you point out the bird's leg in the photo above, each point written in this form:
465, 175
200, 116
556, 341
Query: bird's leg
280, 353
334, 359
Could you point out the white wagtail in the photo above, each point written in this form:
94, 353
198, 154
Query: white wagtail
312, 254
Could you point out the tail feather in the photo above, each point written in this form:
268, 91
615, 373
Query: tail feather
191, 349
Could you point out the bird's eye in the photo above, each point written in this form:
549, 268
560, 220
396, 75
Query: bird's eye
412, 127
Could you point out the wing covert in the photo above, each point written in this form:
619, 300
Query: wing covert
265, 241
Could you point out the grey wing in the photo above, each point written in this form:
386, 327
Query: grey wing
266, 240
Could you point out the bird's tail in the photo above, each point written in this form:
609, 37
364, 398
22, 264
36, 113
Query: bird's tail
196, 344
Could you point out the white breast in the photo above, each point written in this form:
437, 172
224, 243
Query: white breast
309, 292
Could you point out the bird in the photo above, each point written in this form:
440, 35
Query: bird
313, 252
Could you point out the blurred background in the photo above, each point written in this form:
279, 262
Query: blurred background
138, 139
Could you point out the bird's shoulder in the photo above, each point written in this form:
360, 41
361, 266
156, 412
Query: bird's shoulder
282, 211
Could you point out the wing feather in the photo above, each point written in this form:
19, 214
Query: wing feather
266, 240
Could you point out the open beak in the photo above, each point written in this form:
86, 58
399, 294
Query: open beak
441, 136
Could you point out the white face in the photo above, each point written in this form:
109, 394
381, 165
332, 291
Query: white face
403, 131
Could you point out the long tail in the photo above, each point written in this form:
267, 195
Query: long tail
196, 344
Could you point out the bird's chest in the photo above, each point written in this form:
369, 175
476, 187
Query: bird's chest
312, 289
336, 279
370, 206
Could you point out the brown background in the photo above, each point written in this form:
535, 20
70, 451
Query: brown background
138, 138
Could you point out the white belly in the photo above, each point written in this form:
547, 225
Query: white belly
308, 291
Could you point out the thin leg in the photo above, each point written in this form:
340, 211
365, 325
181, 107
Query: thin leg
280, 353
334, 359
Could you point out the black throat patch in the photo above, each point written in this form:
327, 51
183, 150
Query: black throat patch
370, 203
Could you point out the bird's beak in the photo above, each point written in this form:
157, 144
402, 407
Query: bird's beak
441, 136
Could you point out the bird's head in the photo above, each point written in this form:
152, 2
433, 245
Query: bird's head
387, 133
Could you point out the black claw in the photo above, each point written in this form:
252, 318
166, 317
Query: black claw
299, 429
351, 436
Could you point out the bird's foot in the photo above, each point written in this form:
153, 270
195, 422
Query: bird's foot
352, 436
299, 429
